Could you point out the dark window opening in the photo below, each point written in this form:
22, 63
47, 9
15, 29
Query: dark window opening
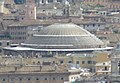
3, 79
0, 44
8, 43
28, 78
77, 62
61, 62
61, 78
53, 78
83, 62
45, 78
37, 78
20, 79
89, 62
69, 61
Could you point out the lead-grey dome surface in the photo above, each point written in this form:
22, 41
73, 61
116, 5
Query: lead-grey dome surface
63, 29
63, 36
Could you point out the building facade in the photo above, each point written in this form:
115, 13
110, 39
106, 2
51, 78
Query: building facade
103, 68
34, 78
36, 74
78, 60
56, 39
18, 33
112, 4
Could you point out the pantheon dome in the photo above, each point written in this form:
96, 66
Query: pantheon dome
63, 36
58, 39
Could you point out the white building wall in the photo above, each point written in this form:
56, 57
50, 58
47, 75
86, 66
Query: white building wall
72, 78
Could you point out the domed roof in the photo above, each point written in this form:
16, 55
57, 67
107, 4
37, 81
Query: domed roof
63, 29
63, 36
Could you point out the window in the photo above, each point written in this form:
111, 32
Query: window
93, 25
69, 61
77, 62
83, 62
38, 63
87, 25
61, 62
105, 68
43, 10
89, 62
20, 79
0, 44
45, 78
3, 79
53, 61
29, 79
8, 44
37, 78
33, 62
62, 79
0, 50
53, 78
71, 77
22, 18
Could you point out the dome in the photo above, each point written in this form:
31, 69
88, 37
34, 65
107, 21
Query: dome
63, 29
63, 36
